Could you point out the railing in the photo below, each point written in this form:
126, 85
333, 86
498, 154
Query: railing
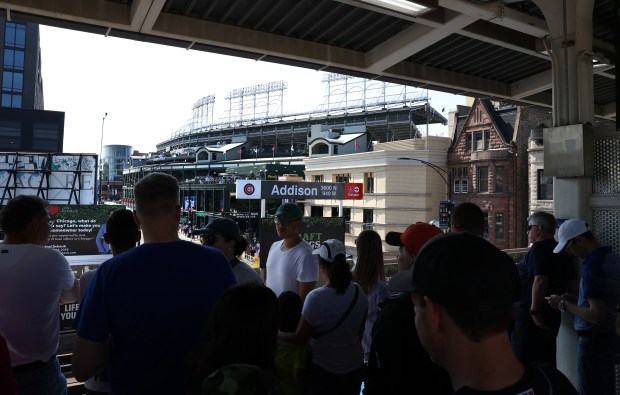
368, 226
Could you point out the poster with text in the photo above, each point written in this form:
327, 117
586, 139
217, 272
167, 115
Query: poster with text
76, 228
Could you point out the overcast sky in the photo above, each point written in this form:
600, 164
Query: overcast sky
148, 90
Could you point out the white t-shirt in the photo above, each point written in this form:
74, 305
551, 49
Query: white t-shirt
245, 274
32, 279
339, 351
286, 268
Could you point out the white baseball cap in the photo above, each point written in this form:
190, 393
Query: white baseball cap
329, 249
568, 231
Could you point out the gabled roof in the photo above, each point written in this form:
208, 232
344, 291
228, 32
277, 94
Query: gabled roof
503, 120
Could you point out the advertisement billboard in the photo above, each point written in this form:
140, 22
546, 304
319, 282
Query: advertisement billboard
57, 178
77, 232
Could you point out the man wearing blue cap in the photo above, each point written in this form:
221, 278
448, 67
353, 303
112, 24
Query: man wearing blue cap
595, 309
290, 263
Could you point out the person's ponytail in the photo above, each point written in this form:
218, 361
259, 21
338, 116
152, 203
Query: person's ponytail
339, 273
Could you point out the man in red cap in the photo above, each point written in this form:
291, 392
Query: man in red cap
395, 350
409, 244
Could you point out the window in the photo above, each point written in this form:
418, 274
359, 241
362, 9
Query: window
464, 186
320, 149
316, 211
10, 135
487, 139
15, 35
346, 213
341, 177
486, 226
334, 211
499, 179
369, 183
478, 142
318, 178
464, 171
9, 100
544, 186
483, 179
13, 59
45, 137
12, 81
468, 142
457, 186
335, 149
499, 226
368, 219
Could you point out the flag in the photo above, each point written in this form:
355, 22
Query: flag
357, 145
239, 151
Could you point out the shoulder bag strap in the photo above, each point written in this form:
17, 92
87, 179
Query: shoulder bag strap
344, 316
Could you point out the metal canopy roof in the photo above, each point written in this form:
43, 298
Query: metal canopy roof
482, 48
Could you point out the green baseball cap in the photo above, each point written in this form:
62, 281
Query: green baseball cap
289, 211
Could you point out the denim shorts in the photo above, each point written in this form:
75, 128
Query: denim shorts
44, 380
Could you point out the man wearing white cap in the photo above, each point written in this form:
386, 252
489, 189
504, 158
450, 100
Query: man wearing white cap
594, 309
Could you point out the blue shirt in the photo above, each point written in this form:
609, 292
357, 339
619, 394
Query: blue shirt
153, 302
600, 280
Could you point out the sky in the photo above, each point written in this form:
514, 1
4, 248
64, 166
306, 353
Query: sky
148, 90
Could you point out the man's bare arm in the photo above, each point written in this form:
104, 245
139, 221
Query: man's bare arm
71, 295
305, 288
539, 291
89, 357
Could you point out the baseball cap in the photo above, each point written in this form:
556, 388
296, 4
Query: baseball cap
329, 249
467, 273
290, 211
413, 238
221, 226
568, 231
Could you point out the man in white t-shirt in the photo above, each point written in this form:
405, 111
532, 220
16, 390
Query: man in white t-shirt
290, 263
34, 280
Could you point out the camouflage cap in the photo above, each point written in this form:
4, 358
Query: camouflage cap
242, 379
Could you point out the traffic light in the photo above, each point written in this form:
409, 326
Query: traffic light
445, 210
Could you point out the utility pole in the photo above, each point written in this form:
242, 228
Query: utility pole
101, 158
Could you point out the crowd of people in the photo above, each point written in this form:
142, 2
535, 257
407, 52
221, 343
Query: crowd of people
171, 316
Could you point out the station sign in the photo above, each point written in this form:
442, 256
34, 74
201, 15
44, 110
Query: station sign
258, 189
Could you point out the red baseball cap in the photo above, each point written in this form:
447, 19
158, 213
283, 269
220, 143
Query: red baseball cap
414, 237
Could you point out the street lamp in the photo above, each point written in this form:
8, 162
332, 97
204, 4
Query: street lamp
444, 174
101, 157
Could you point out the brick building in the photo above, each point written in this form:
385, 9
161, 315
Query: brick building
488, 164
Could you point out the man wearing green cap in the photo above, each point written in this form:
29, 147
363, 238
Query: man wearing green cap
290, 263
